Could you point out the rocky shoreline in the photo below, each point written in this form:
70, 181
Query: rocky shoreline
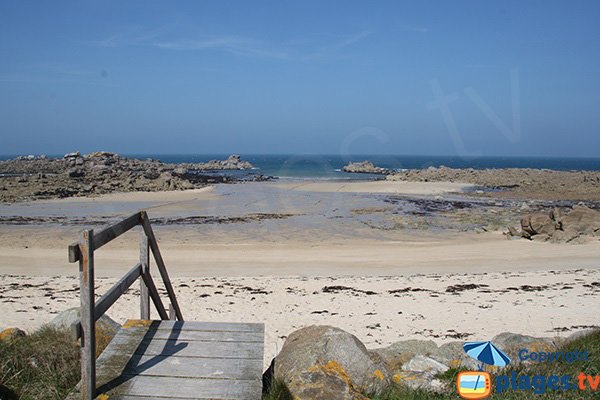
516, 183
33, 178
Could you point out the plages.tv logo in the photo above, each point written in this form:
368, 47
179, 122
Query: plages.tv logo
478, 384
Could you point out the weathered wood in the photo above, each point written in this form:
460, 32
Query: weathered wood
185, 348
191, 367
145, 261
153, 292
88, 320
160, 263
199, 326
185, 388
106, 235
202, 336
138, 364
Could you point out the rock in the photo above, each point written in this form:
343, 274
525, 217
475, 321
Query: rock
579, 334
72, 155
364, 167
419, 380
512, 343
106, 327
537, 223
401, 352
453, 355
512, 231
578, 223
581, 219
76, 173
421, 363
317, 356
9, 334
101, 154
233, 162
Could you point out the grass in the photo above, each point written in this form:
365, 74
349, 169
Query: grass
43, 365
591, 343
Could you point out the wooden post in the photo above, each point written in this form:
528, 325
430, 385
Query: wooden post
88, 321
145, 262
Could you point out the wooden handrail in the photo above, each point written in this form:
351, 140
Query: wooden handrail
91, 311
106, 235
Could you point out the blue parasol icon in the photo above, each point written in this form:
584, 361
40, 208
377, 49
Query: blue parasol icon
487, 353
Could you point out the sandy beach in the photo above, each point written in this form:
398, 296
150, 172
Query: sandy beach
393, 254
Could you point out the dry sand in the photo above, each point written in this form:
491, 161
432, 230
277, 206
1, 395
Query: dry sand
378, 310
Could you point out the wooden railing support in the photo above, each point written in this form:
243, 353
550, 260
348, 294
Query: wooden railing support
145, 262
160, 263
88, 321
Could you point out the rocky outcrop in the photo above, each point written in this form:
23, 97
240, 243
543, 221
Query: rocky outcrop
103, 172
365, 167
233, 162
521, 183
323, 362
579, 224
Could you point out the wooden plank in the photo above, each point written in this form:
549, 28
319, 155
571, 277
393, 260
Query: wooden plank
160, 308
188, 367
106, 235
145, 261
185, 348
150, 380
199, 326
160, 263
202, 336
88, 342
169, 387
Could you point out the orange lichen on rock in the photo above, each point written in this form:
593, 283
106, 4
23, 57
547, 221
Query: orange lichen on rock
137, 323
379, 374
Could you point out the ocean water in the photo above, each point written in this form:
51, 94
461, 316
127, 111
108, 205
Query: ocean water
329, 166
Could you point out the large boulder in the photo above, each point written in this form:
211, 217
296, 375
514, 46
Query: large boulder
106, 327
579, 223
324, 362
512, 343
537, 223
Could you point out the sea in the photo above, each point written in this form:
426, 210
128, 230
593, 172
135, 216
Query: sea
327, 166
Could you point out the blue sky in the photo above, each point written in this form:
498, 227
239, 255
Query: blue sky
456, 78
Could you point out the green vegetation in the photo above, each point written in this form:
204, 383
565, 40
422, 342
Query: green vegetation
43, 365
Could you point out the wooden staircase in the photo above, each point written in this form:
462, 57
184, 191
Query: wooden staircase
165, 359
